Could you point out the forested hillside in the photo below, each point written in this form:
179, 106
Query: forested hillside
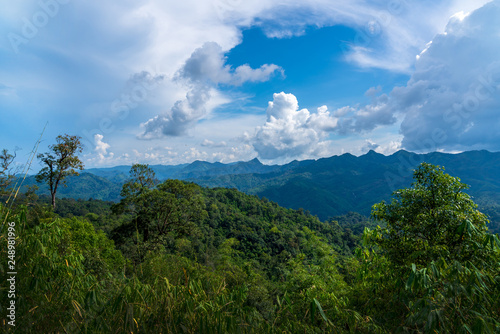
339, 184
327, 187
173, 257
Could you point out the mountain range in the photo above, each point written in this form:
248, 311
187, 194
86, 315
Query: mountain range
326, 187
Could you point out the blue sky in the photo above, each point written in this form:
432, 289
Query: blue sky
227, 80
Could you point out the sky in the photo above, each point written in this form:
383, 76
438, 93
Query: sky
168, 82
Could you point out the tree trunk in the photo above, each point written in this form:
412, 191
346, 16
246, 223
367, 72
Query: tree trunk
54, 200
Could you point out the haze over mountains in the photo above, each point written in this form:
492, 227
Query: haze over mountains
326, 187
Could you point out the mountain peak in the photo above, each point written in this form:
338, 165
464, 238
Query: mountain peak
372, 153
255, 161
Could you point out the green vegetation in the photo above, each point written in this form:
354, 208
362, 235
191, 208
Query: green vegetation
6, 176
60, 163
173, 257
436, 257
328, 187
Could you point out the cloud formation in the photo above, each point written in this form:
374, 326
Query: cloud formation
387, 33
75, 79
452, 101
209, 143
102, 154
366, 118
203, 71
208, 65
182, 116
290, 132
293, 133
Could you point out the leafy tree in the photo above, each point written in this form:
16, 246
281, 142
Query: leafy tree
60, 162
435, 267
6, 176
176, 205
431, 219
170, 207
142, 178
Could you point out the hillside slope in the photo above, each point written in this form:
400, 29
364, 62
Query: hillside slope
326, 187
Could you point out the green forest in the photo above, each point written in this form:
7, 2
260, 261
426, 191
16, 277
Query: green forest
174, 257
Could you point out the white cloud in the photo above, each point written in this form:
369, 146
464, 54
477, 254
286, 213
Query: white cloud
293, 133
452, 100
208, 63
290, 132
181, 117
203, 71
366, 118
101, 147
118, 39
370, 145
102, 154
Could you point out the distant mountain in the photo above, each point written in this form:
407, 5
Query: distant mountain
84, 186
339, 184
198, 170
326, 187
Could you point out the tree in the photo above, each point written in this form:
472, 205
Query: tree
432, 219
160, 209
61, 161
172, 207
435, 267
142, 178
6, 159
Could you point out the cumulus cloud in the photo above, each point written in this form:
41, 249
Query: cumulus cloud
203, 71
373, 91
452, 100
366, 118
141, 82
183, 115
290, 132
101, 149
208, 63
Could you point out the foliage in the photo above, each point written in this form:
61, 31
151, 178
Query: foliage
6, 177
54, 285
437, 257
60, 163
142, 178
453, 298
227, 262
168, 208
72, 272
432, 219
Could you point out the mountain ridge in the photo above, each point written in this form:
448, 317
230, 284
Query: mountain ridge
326, 187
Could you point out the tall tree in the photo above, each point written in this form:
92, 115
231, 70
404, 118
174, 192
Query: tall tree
142, 178
60, 162
434, 268
6, 176
431, 220
160, 208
